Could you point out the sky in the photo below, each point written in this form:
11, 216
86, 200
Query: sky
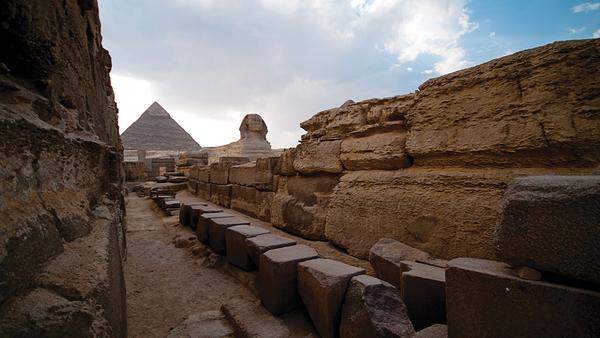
210, 62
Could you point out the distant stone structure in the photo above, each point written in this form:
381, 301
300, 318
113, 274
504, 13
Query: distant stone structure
252, 144
155, 130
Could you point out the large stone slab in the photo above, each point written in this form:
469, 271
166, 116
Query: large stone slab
219, 173
552, 223
202, 225
486, 299
197, 210
243, 174
424, 293
295, 217
185, 212
203, 173
322, 285
308, 189
235, 241
421, 207
258, 245
434, 331
221, 194
374, 308
285, 165
386, 257
243, 199
216, 231
264, 177
498, 114
249, 319
318, 157
277, 277
378, 151
203, 190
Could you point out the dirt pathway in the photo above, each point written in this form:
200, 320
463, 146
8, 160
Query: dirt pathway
166, 284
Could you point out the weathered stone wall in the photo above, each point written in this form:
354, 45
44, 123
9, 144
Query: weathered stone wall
62, 236
430, 168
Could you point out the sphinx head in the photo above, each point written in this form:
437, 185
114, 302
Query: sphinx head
253, 126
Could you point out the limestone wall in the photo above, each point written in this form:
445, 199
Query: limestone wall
62, 235
430, 168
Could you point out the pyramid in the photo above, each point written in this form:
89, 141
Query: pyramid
156, 130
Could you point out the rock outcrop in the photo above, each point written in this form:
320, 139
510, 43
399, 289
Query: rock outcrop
62, 236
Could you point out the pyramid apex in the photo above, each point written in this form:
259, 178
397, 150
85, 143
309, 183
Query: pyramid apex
155, 109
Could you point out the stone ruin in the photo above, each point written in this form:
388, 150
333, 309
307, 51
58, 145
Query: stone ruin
475, 199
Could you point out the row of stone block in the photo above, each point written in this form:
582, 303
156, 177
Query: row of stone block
483, 298
260, 174
248, 200
339, 298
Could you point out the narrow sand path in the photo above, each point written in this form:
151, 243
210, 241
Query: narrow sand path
166, 284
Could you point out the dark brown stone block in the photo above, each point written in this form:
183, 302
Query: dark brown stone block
434, 331
197, 210
277, 277
424, 293
374, 308
322, 285
235, 241
185, 212
486, 299
221, 194
216, 231
258, 245
202, 226
551, 223
386, 256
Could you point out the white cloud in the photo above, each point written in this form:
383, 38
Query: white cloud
285, 60
576, 30
586, 7
409, 69
596, 34
492, 35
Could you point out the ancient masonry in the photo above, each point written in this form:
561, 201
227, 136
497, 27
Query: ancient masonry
494, 162
476, 199
62, 235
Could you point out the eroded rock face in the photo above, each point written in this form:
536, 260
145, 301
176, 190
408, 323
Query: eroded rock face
61, 171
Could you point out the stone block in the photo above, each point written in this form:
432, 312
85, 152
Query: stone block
434, 331
551, 223
264, 199
251, 320
202, 225
258, 245
203, 173
203, 190
308, 189
185, 212
486, 299
221, 194
219, 173
318, 157
233, 160
243, 174
285, 165
277, 277
386, 257
295, 217
322, 284
264, 176
374, 152
424, 293
243, 199
374, 308
197, 210
235, 241
216, 231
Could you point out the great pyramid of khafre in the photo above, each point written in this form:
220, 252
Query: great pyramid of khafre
156, 130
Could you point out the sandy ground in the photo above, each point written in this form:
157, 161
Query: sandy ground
166, 284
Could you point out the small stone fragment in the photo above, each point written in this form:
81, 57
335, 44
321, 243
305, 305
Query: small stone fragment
527, 273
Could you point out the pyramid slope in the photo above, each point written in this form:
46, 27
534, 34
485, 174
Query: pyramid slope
156, 130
